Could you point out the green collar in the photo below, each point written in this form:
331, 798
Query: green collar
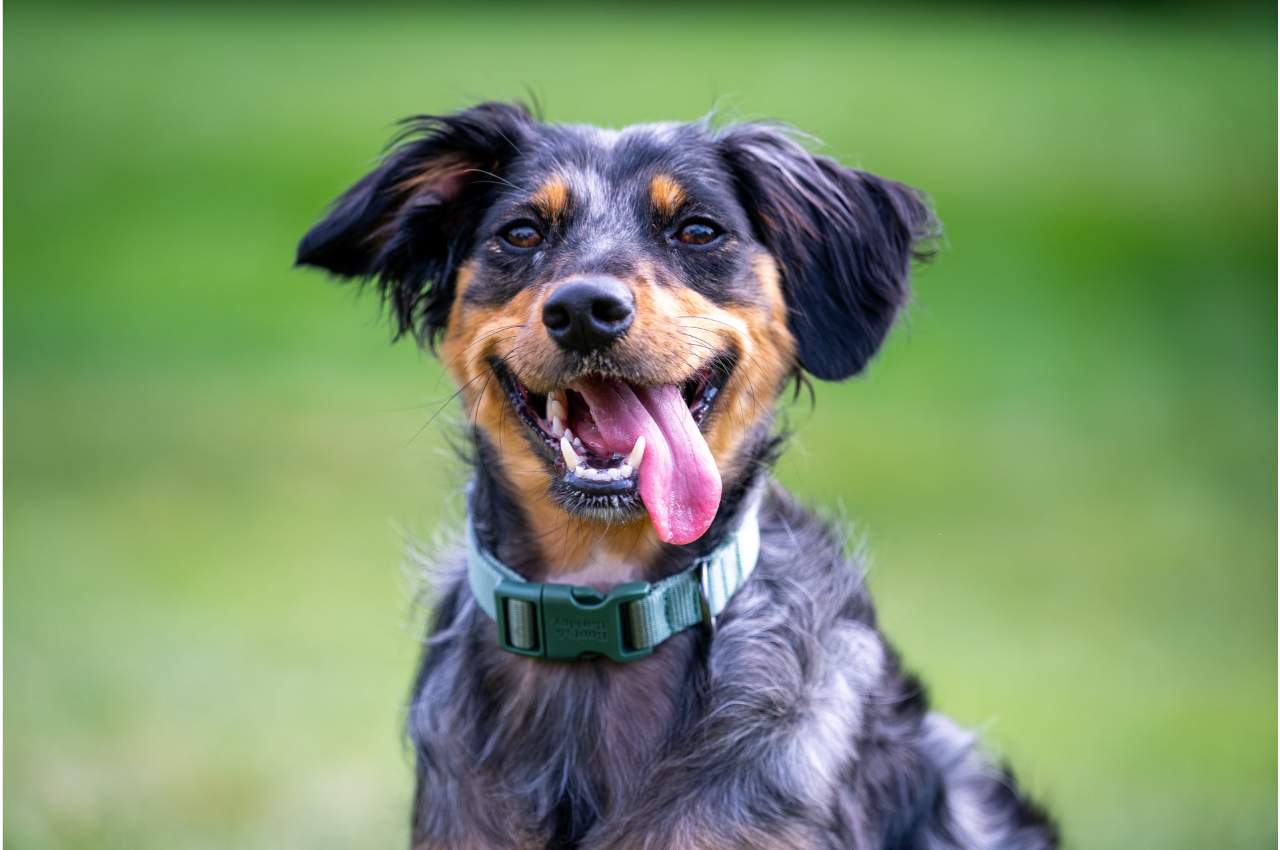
562, 622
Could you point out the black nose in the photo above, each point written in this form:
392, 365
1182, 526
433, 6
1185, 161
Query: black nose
589, 314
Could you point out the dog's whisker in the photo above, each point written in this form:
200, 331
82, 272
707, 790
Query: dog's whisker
441, 409
500, 181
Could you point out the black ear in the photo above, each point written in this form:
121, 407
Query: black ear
410, 222
844, 240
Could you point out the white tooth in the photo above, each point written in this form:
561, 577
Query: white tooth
570, 458
557, 426
568, 435
624, 471
578, 443
556, 407
637, 452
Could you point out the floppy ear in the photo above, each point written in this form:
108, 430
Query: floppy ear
844, 240
410, 222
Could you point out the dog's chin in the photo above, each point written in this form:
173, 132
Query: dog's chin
595, 470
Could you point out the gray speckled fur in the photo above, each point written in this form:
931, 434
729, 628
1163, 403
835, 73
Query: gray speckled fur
793, 727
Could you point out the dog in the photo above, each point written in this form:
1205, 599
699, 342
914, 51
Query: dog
645, 642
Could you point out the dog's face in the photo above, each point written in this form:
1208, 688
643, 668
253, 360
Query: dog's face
621, 309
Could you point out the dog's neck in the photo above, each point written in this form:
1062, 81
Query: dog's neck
573, 551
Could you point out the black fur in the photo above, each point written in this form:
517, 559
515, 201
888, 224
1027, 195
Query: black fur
412, 243
845, 240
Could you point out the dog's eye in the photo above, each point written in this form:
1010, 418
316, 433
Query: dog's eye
522, 235
698, 233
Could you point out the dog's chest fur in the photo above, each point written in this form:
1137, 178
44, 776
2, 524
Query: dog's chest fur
793, 727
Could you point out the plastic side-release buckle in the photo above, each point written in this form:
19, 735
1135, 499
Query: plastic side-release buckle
571, 622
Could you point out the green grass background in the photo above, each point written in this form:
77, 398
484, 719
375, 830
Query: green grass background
1063, 464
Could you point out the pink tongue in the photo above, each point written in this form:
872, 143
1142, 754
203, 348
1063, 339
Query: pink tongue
679, 481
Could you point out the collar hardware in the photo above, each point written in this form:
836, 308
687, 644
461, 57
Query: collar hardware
561, 622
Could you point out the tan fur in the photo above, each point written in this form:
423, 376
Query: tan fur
552, 199
666, 195
675, 332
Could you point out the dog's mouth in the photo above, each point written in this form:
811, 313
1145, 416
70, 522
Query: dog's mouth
619, 449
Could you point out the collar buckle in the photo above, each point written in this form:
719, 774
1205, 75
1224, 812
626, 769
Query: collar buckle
561, 622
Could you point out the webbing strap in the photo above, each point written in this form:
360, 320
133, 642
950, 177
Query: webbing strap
670, 606
484, 572
674, 604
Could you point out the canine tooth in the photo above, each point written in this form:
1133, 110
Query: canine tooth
557, 426
637, 452
570, 457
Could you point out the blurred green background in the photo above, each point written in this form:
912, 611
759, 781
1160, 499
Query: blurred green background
1064, 464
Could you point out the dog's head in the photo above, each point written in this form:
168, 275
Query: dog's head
622, 308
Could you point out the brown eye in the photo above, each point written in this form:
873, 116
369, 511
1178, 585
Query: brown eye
697, 233
522, 236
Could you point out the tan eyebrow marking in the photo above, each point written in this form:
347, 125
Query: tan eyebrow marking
552, 198
666, 194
